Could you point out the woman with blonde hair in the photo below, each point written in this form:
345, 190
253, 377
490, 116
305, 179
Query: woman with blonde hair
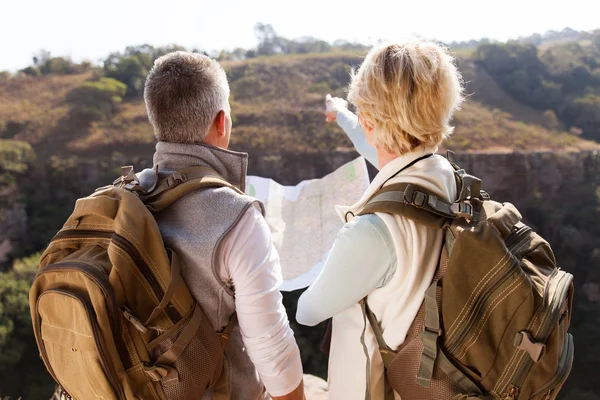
406, 94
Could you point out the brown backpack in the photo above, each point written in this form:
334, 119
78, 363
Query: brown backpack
494, 321
112, 317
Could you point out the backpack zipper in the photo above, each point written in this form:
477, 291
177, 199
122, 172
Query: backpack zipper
564, 369
97, 274
124, 244
514, 236
459, 337
110, 374
544, 331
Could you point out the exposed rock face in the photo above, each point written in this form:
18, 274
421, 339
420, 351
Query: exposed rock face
525, 177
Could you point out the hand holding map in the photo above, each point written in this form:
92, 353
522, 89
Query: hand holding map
303, 220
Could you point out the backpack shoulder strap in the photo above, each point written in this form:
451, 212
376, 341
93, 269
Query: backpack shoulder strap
178, 184
418, 204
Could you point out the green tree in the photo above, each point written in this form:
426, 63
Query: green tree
268, 41
15, 159
131, 70
518, 69
97, 100
31, 71
583, 112
161, 51
132, 66
58, 66
41, 57
18, 351
551, 120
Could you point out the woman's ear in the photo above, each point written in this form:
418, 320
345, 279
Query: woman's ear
367, 128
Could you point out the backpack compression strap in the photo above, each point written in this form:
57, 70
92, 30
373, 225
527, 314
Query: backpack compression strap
418, 204
179, 183
431, 355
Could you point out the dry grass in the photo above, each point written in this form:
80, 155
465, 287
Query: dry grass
36, 104
479, 128
278, 105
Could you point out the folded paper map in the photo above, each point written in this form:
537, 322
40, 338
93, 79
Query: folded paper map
303, 219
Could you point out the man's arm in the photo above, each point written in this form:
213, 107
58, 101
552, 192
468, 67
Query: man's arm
253, 265
298, 393
361, 260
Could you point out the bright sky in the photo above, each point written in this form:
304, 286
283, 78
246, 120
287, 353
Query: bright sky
90, 30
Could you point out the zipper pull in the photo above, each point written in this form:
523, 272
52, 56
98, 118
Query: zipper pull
512, 392
137, 324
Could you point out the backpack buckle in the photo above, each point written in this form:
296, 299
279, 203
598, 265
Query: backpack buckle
524, 341
127, 177
175, 179
414, 197
463, 210
437, 332
419, 199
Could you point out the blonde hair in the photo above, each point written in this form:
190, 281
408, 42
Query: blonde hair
408, 91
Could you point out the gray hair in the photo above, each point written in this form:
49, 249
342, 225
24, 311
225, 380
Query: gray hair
183, 94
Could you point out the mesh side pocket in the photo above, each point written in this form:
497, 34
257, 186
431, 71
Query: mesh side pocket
199, 366
402, 374
403, 370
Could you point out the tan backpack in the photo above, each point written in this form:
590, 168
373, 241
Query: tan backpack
494, 321
112, 317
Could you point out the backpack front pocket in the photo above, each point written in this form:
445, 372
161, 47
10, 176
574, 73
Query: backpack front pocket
71, 346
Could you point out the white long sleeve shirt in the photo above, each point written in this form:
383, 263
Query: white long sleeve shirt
251, 261
396, 289
363, 241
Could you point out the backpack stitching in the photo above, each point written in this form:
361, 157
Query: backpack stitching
488, 314
474, 295
505, 375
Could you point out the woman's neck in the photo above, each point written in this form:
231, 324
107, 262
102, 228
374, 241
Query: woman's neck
384, 157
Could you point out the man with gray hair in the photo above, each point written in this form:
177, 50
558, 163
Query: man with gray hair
227, 255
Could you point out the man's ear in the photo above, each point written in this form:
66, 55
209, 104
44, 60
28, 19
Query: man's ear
221, 123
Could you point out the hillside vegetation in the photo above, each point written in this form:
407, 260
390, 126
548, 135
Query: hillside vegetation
277, 105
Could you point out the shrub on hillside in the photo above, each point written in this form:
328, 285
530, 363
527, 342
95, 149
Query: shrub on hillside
340, 74
551, 120
321, 87
247, 87
59, 66
31, 71
15, 156
583, 112
97, 100
132, 66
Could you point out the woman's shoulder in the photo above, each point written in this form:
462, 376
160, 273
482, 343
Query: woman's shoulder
369, 230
